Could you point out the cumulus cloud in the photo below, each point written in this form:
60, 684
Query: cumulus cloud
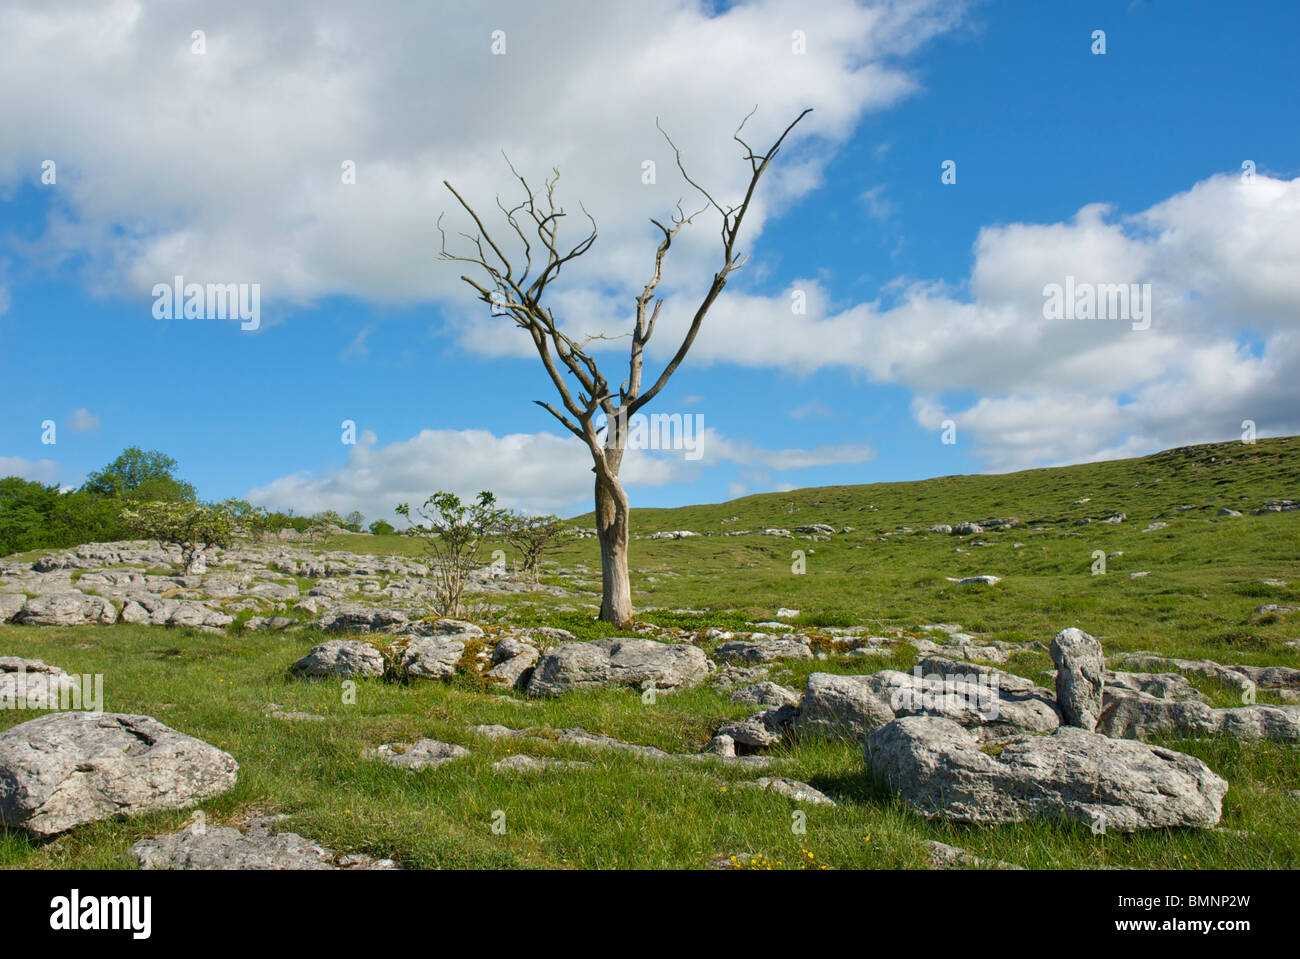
83, 421
535, 472
1222, 344
229, 165
39, 471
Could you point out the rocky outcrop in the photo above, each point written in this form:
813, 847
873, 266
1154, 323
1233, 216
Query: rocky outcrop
432, 657
939, 769
152, 610
841, 707
346, 658
67, 609
754, 652
257, 847
1080, 677
67, 769
513, 661
422, 754
623, 662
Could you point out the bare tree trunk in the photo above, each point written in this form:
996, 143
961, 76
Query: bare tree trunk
612, 529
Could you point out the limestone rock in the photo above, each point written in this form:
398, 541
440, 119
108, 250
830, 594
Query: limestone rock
761, 729
753, 652
67, 609
766, 694
1080, 677
10, 605
257, 848
938, 768
422, 754
432, 657
346, 658
606, 662
67, 769
841, 707
793, 789
532, 764
362, 619
975, 700
514, 662
32, 684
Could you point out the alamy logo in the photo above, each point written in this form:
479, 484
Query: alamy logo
74, 912
940, 694
1098, 301
658, 431
208, 301
20, 689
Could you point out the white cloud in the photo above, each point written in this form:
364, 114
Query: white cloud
39, 471
878, 208
227, 167
84, 421
1222, 346
536, 472
810, 409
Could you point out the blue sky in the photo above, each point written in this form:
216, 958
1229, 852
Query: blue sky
924, 297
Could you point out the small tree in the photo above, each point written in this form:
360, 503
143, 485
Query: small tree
193, 527
513, 280
533, 536
354, 521
252, 521
381, 527
453, 532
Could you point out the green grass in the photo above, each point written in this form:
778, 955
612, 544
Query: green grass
1206, 579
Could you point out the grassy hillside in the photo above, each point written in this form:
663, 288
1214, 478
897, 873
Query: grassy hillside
1207, 575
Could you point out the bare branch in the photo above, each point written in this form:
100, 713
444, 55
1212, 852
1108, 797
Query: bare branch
516, 296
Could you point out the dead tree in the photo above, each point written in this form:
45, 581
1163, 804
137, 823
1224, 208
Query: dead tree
515, 290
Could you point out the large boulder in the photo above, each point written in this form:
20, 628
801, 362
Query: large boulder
977, 699
841, 707
1080, 677
753, 652
432, 657
761, 729
67, 609
150, 610
939, 769
1141, 716
362, 619
67, 769
347, 658
10, 605
607, 662
513, 662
